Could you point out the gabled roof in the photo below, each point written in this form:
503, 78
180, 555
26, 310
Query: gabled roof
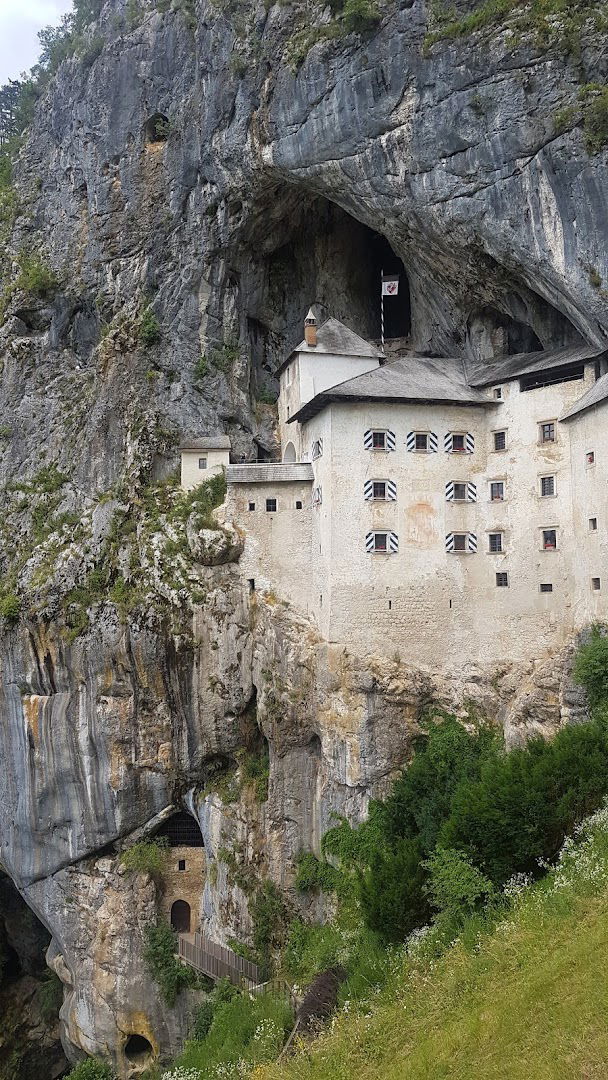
596, 394
208, 442
501, 369
334, 337
412, 378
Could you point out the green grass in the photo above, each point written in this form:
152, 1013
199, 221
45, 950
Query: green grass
522, 994
242, 1030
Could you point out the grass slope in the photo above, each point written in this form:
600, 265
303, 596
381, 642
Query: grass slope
525, 999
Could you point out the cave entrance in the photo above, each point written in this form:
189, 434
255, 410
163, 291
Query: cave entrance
138, 1050
306, 250
181, 916
181, 830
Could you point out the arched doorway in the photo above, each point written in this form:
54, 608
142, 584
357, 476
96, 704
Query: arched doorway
290, 453
180, 916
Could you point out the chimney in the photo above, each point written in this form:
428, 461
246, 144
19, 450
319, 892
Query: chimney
310, 330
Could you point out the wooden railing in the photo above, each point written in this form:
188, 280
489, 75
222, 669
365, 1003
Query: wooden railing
217, 961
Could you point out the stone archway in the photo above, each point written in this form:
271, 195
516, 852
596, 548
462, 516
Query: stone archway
180, 916
290, 453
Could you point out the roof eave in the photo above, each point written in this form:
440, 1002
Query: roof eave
322, 400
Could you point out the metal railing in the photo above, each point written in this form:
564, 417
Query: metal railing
217, 961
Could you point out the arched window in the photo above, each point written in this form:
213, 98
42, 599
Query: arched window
290, 453
181, 828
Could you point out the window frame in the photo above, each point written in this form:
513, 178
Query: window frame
271, 509
546, 424
299, 504
544, 545
250, 507
545, 587
500, 550
502, 584
421, 435
589, 454
376, 548
379, 498
547, 494
458, 449
497, 393
594, 587
497, 498
377, 432
205, 461
592, 524
460, 498
499, 449
464, 549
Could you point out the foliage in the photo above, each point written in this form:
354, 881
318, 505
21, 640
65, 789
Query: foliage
226, 356
266, 397
591, 668
360, 16
595, 117
255, 771
91, 1069
10, 607
149, 328
149, 856
50, 996
244, 1031
200, 368
393, 897
552, 22
270, 920
455, 887
313, 875
35, 276
164, 966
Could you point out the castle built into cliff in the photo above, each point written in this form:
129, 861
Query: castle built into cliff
431, 507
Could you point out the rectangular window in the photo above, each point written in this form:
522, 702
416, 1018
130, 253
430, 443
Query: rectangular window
547, 485
421, 441
547, 432
202, 462
298, 504
460, 541
379, 440
460, 492
549, 539
592, 524
500, 440
251, 506
457, 444
181, 864
495, 541
379, 489
380, 541
497, 491
288, 376
498, 392
590, 457
502, 581
271, 505
546, 587
596, 584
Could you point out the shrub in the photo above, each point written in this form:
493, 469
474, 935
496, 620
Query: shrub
10, 607
455, 887
312, 875
393, 898
91, 1069
269, 916
243, 1030
50, 996
255, 770
595, 117
591, 668
35, 276
359, 16
149, 856
149, 328
200, 368
165, 968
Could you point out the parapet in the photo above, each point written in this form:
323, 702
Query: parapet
272, 473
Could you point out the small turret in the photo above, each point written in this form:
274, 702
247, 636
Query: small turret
310, 330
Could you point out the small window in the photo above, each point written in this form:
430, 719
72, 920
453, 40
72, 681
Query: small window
590, 457
502, 581
500, 440
460, 492
592, 524
549, 539
547, 485
547, 432
380, 541
495, 542
497, 491
379, 489
421, 441
460, 541
271, 506
202, 462
251, 584
298, 504
251, 506
546, 587
596, 584
457, 444
288, 376
288, 412
378, 440
181, 864
498, 392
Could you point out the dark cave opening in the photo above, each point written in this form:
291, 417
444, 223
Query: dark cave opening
138, 1049
181, 829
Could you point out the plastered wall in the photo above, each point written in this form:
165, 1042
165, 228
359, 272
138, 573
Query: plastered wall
192, 475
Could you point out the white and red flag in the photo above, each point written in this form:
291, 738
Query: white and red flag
390, 286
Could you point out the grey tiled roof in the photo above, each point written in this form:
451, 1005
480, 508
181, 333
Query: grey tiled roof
268, 473
596, 394
413, 378
487, 372
334, 337
208, 442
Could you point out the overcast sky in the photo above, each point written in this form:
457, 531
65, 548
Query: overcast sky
20, 21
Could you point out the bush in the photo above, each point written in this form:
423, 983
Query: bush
10, 607
36, 277
269, 916
455, 887
243, 1030
591, 668
165, 968
50, 996
359, 16
313, 875
91, 1069
149, 328
393, 898
200, 368
148, 856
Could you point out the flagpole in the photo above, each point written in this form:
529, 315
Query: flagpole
382, 308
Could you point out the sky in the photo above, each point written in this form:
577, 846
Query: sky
20, 21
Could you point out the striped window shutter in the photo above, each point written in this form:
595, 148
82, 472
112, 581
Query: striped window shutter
472, 541
471, 492
368, 440
469, 442
390, 440
449, 490
391, 490
317, 449
449, 542
447, 442
393, 543
432, 442
410, 442
369, 542
317, 496
368, 489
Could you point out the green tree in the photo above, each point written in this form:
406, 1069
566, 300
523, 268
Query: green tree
392, 891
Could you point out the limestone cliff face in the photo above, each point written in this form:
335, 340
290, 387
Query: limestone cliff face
264, 188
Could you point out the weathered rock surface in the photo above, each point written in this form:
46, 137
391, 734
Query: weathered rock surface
273, 188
